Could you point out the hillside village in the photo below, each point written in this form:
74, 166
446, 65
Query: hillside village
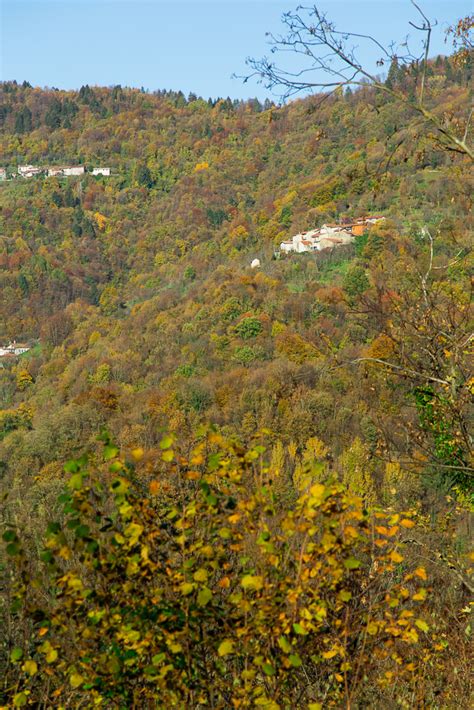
30, 171
329, 235
13, 349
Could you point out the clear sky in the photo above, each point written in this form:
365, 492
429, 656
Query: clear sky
191, 45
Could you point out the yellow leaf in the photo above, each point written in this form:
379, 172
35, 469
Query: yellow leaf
133, 531
137, 454
407, 523
52, 656
421, 572
372, 628
315, 706
225, 647
204, 596
317, 492
167, 455
330, 654
420, 596
76, 680
30, 667
201, 575
251, 582
395, 556
422, 625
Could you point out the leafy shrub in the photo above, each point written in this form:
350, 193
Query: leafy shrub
248, 328
198, 593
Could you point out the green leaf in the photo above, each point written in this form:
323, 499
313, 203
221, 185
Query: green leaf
20, 700
159, 658
166, 442
53, 529
46, 556
352, 563
284, 644
71, 467
295, 660
75, 482
268, 669
167, 455
82, 531
9, 536
110, 452
204, 596
298, 629
16, 654
422, 625
13, 548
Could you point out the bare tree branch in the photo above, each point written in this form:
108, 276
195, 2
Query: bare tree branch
330, 51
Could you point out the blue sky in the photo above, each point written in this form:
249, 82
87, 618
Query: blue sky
191, 45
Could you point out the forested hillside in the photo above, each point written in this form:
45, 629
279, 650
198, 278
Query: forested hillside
349, 368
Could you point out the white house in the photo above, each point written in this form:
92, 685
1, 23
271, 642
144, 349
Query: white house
287, 246
331, 242
101, 171
3, 174
55, 171
13, 349
303, 242
73, 170
28, 171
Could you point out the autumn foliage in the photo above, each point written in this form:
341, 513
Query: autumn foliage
204, 591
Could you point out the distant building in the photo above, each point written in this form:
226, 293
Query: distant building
13, 349
358, 229
28, 171
101, 171
329, 235
305, 241
73, 170
3, 174
55, 171
330, 242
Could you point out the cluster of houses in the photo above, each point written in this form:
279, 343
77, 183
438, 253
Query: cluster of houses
329, 235
29, 171
13, 349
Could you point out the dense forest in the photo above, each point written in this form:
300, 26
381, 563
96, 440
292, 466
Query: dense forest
224, 486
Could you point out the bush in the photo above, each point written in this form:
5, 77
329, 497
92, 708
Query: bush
201, 591
248, 328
